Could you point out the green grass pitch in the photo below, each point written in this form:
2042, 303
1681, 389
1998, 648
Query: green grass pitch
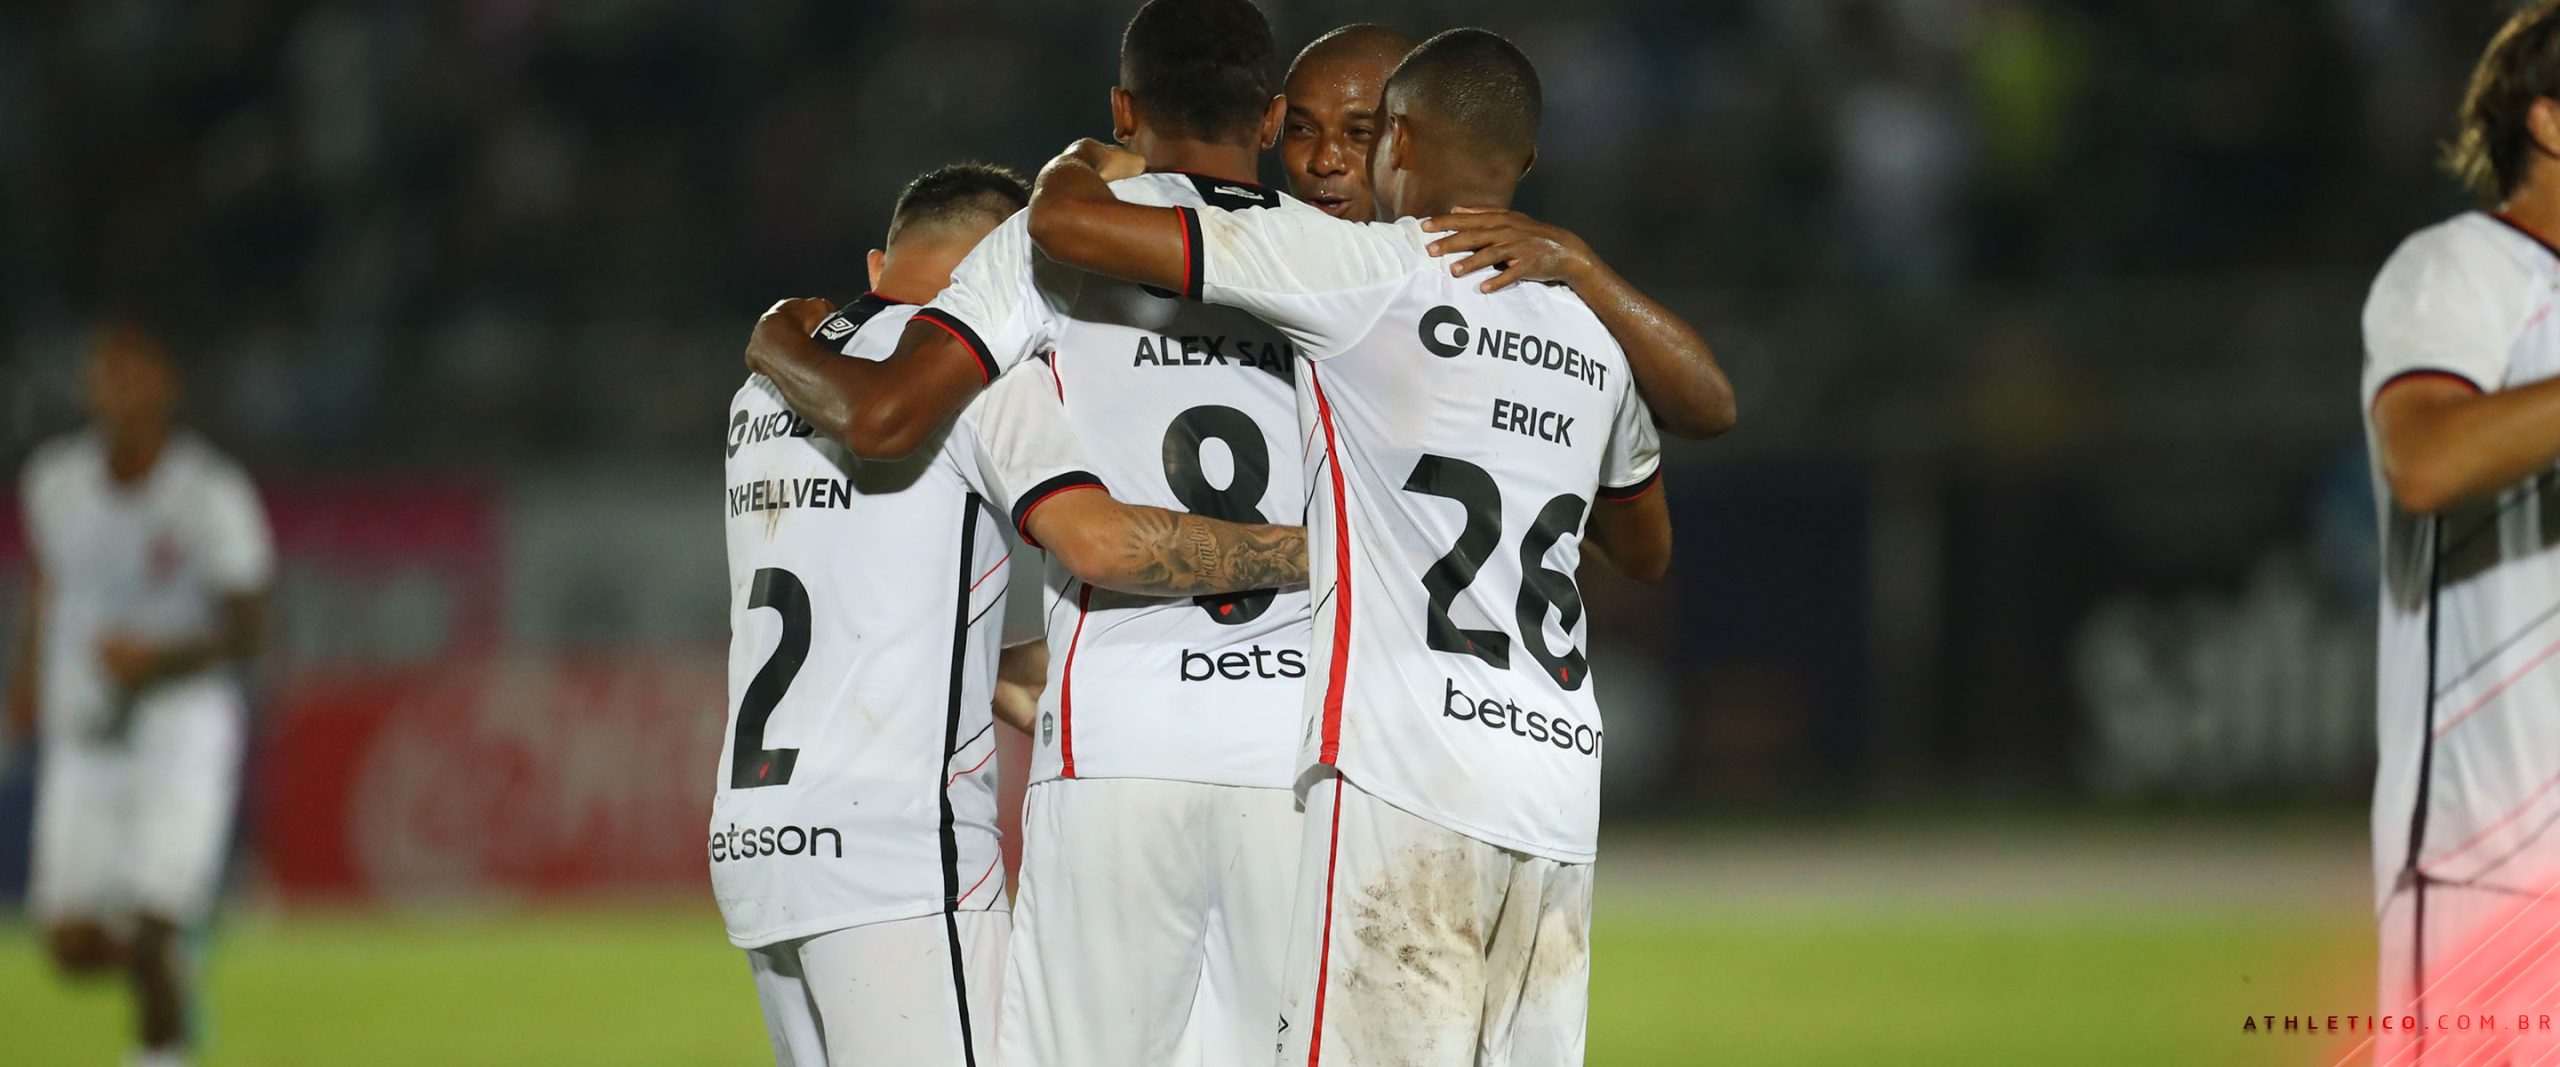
1675, 982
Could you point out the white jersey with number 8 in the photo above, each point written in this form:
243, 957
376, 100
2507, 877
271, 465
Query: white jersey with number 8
1184, 407
1457, 441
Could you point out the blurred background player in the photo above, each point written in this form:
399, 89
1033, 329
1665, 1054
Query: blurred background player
1454, 740
1333, 120
853, 846
151, 564
2462, 408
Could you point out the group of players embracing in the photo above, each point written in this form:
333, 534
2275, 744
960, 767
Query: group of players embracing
1316, 753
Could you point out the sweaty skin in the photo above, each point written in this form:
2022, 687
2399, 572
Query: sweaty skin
1332, 118
1334, 91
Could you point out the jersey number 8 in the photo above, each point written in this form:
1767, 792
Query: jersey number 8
1240, 501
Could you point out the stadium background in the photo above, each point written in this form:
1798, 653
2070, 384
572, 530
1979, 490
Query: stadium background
2009, 702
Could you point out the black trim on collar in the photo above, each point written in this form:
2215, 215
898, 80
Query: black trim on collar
2503, 220
838, 328
1231, 194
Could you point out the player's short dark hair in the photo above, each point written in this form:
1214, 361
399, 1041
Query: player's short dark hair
1200, 69
1478, 83
958, 192
2492, 149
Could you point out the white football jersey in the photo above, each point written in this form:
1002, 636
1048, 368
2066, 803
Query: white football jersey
2468, 693
1456, 441
856, 778
152, 560
1182, 406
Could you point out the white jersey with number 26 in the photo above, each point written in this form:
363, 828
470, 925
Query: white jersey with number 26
1457, 441
855, 782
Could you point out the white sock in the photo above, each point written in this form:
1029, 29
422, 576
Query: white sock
157, 1057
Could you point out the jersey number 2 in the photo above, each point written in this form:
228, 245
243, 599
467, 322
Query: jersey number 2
751, 765
1542, 588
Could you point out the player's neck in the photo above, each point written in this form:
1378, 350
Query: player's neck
1225, 162
131, 456
918, 278
1443, 201
2536, 205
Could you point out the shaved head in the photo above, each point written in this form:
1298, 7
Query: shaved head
1360, 42
1333, 116
1462, 126
1476, 85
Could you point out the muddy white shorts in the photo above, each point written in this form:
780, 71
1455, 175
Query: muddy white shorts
141, 825
1151, 924
1415, 944
919, 992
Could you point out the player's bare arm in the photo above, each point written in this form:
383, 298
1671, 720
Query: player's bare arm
22, 669
136, 664
1021, 672
1673, 367
1154, 552
1077, 221
2443, 442
880, 409
1632, 535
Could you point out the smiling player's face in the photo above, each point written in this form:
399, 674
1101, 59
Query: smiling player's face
1331, 124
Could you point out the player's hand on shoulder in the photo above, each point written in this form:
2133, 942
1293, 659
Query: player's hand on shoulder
1109, 160
1525, 249
794, 317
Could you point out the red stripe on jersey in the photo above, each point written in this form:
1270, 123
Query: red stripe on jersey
1067, 689
1324, 946
986, 367
982, 761
982, 880
1341, 585
991, 571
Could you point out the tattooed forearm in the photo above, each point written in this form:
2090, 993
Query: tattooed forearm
1166, 553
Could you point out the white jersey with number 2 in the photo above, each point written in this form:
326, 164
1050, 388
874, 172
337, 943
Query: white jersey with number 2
1456, 441
856, 778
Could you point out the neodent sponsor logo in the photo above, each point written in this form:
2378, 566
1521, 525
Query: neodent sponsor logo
748, 842
1537, 727
1447, 335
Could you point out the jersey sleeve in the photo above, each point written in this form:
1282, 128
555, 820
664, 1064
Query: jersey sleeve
993, 305
1018, 448
232, 540
2447, 302
1319, 279
1632, 464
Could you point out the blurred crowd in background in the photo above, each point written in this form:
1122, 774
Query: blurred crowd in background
2042, 311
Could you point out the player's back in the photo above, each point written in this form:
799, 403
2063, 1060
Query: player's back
853, 785
1457, 442
2467, 727
1184, 406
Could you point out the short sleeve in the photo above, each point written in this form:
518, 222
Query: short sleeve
233, 544
1631, 466
1018, 448
2449, 301
1319, 279
993, 305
